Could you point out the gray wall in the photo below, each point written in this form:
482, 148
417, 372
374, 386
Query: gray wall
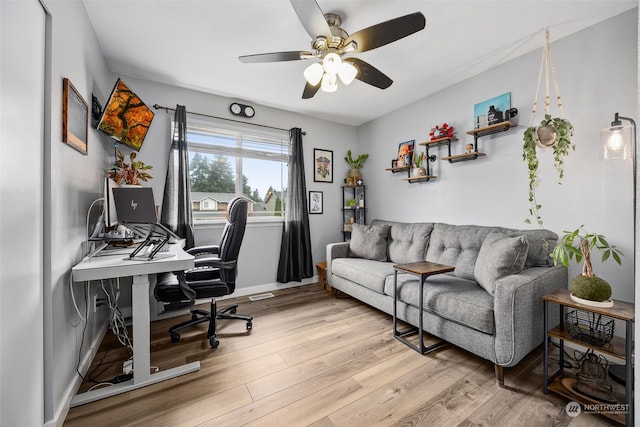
72, 183
597, 76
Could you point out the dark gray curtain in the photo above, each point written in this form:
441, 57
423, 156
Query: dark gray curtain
295, 251
176, 203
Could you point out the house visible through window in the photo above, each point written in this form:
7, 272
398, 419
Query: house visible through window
226, 161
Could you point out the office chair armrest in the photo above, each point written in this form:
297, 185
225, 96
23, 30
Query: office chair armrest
215, 263
204, 250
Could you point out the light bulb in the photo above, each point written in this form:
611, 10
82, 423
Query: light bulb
313, 73
331, 63
329, 83
615, 141
347, 72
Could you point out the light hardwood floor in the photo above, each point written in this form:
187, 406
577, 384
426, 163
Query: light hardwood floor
316, 360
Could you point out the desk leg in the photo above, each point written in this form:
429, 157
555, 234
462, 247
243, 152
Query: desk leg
141, 329
141, 351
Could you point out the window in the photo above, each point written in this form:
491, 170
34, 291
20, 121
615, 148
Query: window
226, 161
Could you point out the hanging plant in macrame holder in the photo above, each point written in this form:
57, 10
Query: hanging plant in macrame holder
553, 132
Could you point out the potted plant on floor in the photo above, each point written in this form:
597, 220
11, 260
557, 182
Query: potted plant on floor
586, 288
131, 173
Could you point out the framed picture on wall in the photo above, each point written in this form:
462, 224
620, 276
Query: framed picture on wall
491, 111
315, 202
75, 117
322, 165
405, 154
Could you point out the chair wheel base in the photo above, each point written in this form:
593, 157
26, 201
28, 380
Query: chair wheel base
249, 326
213, 342
175, 337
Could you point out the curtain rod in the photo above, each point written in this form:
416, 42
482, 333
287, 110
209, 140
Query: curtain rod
160, 107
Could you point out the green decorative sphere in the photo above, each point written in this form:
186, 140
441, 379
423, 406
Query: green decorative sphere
591, 288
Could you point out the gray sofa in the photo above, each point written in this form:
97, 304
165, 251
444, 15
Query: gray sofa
489, 305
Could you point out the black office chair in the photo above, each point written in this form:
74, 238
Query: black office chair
214, 276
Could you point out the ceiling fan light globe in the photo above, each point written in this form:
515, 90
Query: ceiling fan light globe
329, 83
313, 73
331, 63
347, 73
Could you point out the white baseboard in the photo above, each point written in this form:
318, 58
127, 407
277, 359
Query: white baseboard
241, 292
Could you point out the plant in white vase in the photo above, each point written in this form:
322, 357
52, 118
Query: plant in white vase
586, 286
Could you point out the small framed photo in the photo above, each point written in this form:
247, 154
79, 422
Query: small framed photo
322, 165
75, 117
315, 202
405, 154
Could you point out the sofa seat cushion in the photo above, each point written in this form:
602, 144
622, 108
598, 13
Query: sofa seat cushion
407, 242
453, 298
365, 272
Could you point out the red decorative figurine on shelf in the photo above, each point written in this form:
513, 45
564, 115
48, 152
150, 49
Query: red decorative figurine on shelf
444, 131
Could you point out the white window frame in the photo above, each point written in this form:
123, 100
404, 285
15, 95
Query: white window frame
239, 132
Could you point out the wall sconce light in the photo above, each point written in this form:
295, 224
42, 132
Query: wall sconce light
616, 141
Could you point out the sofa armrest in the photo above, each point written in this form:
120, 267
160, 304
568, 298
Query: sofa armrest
335, 250
519, 311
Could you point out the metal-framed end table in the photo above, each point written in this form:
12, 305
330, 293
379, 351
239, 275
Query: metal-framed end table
619, 347
423, 269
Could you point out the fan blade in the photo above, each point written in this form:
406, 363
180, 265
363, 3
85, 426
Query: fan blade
310, 90
387, 32
369, 74
275, 56
312, 18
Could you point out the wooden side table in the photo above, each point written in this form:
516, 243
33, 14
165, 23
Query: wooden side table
422, 269
322, 276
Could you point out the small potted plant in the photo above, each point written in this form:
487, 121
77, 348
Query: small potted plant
355, 165
351, 203
586, 288
131, 173
419, 170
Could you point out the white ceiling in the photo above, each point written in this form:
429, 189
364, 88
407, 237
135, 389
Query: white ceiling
196, 44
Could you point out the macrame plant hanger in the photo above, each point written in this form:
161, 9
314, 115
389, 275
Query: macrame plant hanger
545, 136
552, 132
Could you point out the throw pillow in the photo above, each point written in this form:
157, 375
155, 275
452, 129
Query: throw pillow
500, 255
369, 242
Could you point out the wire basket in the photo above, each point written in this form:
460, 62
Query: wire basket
591, 328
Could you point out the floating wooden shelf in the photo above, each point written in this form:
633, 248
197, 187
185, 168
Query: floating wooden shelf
419, 178
495, 128
438, 141
462, 157
400, 169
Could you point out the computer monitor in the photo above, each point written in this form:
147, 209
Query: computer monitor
110, 213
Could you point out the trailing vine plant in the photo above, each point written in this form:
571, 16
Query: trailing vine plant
553, 132
564, 131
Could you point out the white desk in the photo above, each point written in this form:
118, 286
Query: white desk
112, 266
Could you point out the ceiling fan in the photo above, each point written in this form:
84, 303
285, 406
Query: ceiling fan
330, 43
